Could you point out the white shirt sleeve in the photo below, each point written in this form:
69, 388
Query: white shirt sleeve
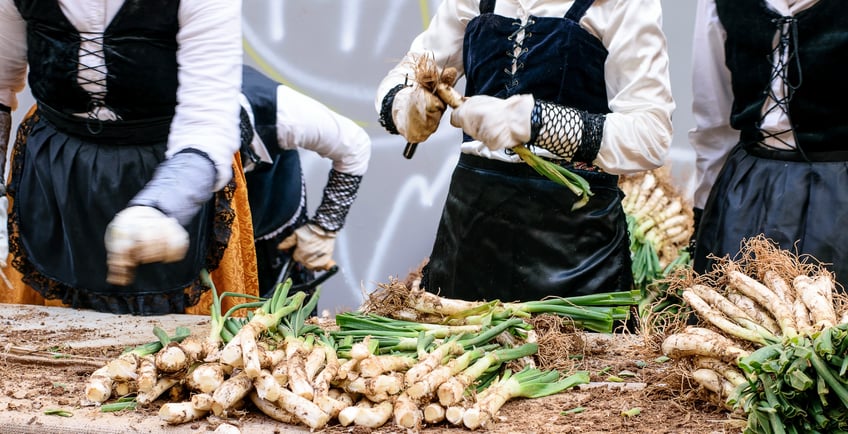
210, 59
13, 61
712, 137
637, 133
303, 122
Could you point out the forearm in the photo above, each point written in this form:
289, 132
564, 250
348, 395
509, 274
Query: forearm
303, 122
180, 186
442, 41
339, 195
566, 132
638, 130
210, 58
13, 61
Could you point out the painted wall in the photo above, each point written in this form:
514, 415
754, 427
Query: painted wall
337, 51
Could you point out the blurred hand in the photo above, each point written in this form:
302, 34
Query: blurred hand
141, 235
313, 246
498, 123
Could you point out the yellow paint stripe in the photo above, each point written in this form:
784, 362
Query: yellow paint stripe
425, 12
262, 64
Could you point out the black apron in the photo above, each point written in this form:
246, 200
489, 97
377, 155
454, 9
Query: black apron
506, 232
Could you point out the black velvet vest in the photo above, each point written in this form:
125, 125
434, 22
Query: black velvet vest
560, 62
139, 46
274, 193
818, 107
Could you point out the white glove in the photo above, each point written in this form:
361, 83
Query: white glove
498, 123
4, 230
313, 246
416, 113
140, 235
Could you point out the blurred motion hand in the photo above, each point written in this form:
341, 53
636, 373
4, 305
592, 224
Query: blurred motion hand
141, 235
313, 246
498, 123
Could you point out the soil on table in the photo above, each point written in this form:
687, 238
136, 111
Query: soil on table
54, 378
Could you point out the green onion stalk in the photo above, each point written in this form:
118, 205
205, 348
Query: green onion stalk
224, 327
596, 312
558, 174
527, 383
360, 325
797, 385
452, 391
242, 349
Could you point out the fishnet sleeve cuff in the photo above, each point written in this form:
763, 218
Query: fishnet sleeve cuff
566, 132
339, 194
386, 110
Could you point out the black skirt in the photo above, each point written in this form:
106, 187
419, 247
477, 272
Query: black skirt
67, 187
800, 205
507, 233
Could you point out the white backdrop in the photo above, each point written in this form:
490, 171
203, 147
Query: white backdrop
337, 51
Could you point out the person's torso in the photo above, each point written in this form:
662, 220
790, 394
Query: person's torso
275, 191
818, 39
135, 56
551, 57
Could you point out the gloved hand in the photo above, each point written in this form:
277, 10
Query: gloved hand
416, 113
4, 230
498, 123
313, 246
140, 235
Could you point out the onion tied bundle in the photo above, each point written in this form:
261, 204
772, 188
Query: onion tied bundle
660, 222
771, 340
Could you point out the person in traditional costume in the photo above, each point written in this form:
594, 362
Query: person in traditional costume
770, 132
278, 122
585, 84
124, 178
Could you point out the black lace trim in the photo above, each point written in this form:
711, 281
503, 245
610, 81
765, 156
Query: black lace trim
386, 110
51, 289
593, 134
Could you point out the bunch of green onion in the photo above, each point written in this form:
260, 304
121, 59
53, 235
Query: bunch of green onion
797, 385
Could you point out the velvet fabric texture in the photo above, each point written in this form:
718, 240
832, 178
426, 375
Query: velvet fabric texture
818, 39
139, 46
